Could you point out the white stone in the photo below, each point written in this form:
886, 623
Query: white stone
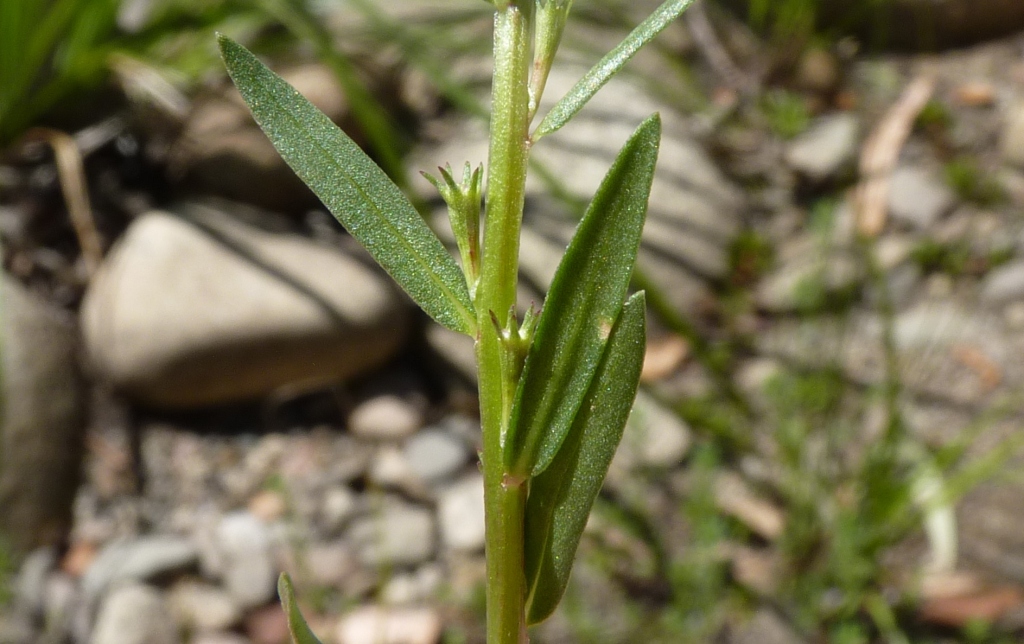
376, 625
206, 309
134, 614
385, 417
249, 573
200, 607
826, 148
435, 454
461, 514
397, 534
918, 197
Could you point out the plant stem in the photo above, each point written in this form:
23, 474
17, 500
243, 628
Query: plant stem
505, 501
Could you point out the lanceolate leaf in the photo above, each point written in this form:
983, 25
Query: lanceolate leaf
583, 303
561, 497
297, 627
601, 73
355, 190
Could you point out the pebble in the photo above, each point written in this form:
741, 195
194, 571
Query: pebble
140, 559
385, 418
396, 534
829, 146
219, 637
918, 197
1004, 284
201, 607
461, 514
328, 564
654, 436
409, 588
337, 506
435, 454
30, 586
249, 573
134, 614
376, 625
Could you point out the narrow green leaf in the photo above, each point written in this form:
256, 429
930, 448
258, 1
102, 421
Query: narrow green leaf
355, 190
583, 303
601, 73
300, 632
561, 497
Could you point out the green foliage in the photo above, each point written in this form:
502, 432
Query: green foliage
601, 73
297, 627
973, 184
561, 497
49, 48
556, 390
786, 112
581, 307
357, 192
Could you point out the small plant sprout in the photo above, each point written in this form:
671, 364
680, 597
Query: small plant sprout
555, 388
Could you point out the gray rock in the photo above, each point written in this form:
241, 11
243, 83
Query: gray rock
219, 638
16, 628
42, 432
1004, 284
397, 534
824, 150
418, 586
201, 607
30, 587
245, 546
194, 310
918, 197
138, 560
461, 514
654, 437
134, 614
435, 454
454, 348
385, 417
807, 273
1012, 141
337, 506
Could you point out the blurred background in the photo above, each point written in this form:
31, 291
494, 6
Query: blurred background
205, 382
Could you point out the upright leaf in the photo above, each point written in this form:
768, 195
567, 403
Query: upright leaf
561, 497
601, 73
297, 627
355, 190
583, 303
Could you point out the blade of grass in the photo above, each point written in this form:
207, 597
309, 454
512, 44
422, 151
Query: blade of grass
355, 190
602, 72
561, 497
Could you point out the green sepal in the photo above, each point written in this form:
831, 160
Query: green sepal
561, 497
582, 305
355, 190
464, 208
601, 73
297, 626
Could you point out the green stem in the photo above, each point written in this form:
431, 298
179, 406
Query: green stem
505, 500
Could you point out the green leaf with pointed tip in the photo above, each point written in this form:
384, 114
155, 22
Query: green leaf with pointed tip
355, 190
601, 73
561, 497
300, 632
583, 303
